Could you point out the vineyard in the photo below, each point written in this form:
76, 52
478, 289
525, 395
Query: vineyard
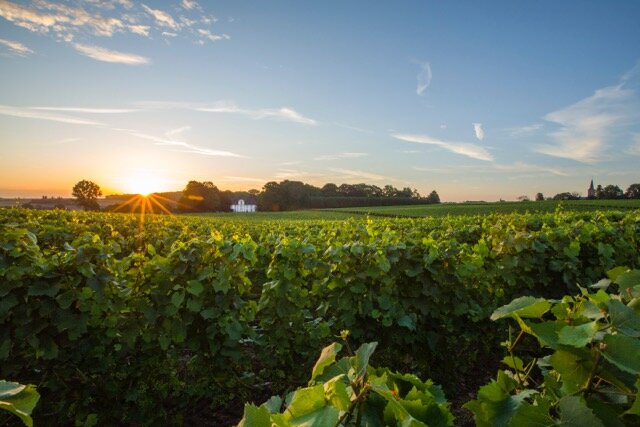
120, 319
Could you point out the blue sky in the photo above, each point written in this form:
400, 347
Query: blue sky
478, 100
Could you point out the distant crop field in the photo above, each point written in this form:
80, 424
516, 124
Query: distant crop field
445, 209
257, 217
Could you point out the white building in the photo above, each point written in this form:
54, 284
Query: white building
240, 206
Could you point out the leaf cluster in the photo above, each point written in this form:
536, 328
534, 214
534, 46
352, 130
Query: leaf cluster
587, 369
350, 392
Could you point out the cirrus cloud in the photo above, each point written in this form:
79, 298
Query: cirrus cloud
465, 149
107, 55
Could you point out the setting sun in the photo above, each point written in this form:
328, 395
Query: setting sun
143, 184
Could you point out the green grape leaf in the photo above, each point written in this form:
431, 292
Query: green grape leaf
547, 332
194, 287
362, 357
578, 336
408, 321
624, 352
574, 367
528, 415
327, 357
336, 393
524, 307
624, 319
575, 413
19, 399
255, 416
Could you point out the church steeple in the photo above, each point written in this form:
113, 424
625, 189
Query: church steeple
591, 192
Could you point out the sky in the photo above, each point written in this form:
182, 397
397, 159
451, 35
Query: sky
477, 100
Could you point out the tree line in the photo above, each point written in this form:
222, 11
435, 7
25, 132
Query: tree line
608, 192
275, 196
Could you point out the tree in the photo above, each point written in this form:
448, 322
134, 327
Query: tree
433, 197
633, 192
612, 192
203, 197
86, 194
539, 197
523, 198
599, 192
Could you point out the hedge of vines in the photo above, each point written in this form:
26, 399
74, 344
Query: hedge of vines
119, 320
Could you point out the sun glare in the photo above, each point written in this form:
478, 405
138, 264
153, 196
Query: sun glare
143, 184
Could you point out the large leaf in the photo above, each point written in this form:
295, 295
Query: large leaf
529, 415
624, 318
578, 336
255, 416
624, 352
574, 368
547, 332
575, 413
327, 357
363, 354
627, 283
524, 307
18, 399
495, 405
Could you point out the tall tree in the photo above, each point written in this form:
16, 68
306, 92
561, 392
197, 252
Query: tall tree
202, 197
433, 197
612, 192
539, 197
633, 192
86, 194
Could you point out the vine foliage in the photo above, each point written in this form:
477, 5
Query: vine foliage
350, 392
586, 371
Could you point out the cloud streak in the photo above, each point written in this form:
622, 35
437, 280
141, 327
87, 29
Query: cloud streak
424, 78
341, 156
465, 149
30, 113
87, 110
16, 47
283, 113
106, 55
185, 146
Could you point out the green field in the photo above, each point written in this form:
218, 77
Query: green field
124, 320
445, 209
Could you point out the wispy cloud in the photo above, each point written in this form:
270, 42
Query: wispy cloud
585, 126
87, 110
173, 132
107, 55
162, 18
141, 30
185, 146
16, 47
524, 130
30, 113
283, 113
213, 37
424, 78
477, 129
520, 167
341, 156
103, 18
58, 18
470, 150
190, 5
